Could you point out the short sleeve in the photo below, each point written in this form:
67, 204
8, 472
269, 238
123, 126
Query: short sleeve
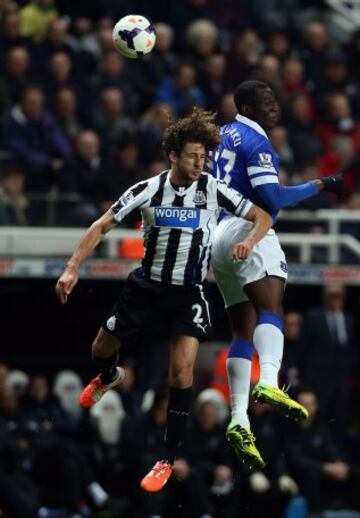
134, 198
232, 200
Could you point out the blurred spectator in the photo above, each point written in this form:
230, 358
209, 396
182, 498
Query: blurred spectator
243, 57
125, 167
13, 202
112, 74
271, 488
315, 48
151, 130
279, 139
275, 15
142, 442
131, 397
85, 174
162, 60
212, 81
156, 167
57, 40
227, 110
59, 75
4, 369
10, 33
109, 118
326, 479
339, 122
34, 137
17, 381
292, 329
66, 110
304, 142
336, 77
202, 37
182, 92
325, 354
40, 405
268, 70
292, 75
35, 18
278, 44
17, 72
206, 451
108, 417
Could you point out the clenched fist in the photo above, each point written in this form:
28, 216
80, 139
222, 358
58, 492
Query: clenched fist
241, 250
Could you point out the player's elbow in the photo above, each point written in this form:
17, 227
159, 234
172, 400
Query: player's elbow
270, 196
259, 216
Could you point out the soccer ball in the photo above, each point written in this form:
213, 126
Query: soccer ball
134, 36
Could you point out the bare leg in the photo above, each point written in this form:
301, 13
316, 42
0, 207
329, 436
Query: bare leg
105, 355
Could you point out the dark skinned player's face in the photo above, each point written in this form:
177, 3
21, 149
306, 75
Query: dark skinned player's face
266, 109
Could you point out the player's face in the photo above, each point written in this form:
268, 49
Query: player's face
188, 165
266, 110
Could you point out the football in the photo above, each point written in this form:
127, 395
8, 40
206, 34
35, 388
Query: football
134, 36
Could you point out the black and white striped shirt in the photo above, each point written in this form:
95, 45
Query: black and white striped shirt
178, 224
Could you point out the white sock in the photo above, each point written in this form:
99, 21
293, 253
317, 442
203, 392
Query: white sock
238, 365
98, 494
269, 343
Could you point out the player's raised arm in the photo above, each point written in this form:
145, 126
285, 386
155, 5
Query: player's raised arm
131, 200
87, 244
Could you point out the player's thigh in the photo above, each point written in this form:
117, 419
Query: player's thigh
267, 294
230, 280
183, 352
132, 313
242, 320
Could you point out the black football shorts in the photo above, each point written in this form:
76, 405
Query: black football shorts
183, 310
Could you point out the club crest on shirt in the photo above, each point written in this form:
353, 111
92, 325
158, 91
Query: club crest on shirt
111, 323
199, 198
126, 198
283, 266
265, 160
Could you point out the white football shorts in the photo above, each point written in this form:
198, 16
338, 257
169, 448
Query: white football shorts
267, 258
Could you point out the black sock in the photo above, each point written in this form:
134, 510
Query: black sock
107, 367
177, 417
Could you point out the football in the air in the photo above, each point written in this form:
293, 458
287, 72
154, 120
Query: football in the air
134, 36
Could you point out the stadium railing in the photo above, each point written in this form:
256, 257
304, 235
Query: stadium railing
332, 252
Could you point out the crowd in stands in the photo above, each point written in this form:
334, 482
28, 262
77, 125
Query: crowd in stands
58, 460
82, 123
76, 117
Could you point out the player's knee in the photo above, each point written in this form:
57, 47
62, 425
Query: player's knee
182, 376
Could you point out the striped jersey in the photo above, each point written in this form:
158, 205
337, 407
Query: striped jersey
246, 160
178, 224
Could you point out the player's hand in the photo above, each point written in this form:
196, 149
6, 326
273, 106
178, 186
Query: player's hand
66, 283
332, 184
241, 250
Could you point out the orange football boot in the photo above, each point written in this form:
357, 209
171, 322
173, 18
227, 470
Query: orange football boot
95, 390
157, 477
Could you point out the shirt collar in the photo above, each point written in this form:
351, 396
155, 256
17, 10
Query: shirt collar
252, 124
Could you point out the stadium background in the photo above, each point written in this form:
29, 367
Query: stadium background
71, 148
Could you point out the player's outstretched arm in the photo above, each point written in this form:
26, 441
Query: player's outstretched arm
278, 197
262, 223
87, 244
